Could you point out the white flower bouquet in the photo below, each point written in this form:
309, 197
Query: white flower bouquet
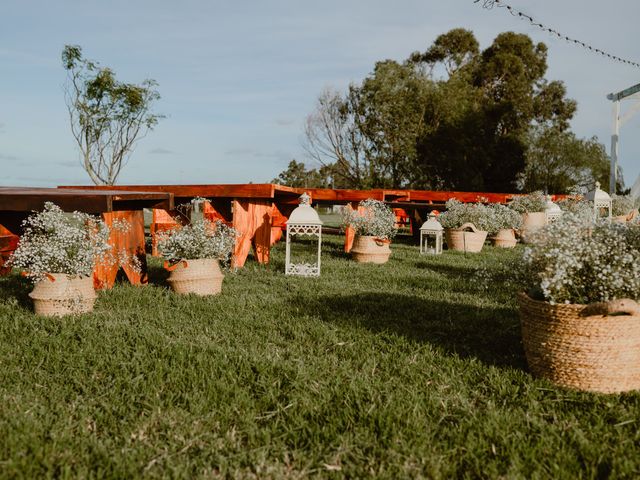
530, 203
576, 262
201, 239
458, 213
57, 242
374, 219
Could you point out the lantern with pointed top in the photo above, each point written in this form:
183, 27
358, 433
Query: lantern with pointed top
304, 240
552, 210
431, 236
601, 203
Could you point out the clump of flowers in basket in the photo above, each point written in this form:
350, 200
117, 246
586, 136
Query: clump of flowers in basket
193, 253
374, 224
58, 251
531, 207
466, 225
580, 319
504, 222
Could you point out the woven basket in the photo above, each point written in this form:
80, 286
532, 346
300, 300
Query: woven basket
530, 223
587, 347
202, 276
467, 238
504, 238
60, 294
369, 249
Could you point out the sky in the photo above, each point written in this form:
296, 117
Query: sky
238, 79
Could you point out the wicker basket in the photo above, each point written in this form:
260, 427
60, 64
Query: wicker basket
202, 276
530, 223
370, 249
504, 238
60, 294
467, 238
587, 347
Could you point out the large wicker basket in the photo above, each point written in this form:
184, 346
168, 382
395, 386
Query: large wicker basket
587, 347
369, 249
202, 276
60, 294
467, 238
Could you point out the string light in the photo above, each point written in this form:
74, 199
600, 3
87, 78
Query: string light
488, 4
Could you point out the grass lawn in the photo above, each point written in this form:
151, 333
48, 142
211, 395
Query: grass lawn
406, 370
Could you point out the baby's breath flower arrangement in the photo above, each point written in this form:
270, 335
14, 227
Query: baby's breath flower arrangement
458, 213
201, 239
503, 218
531, 203
575, 262
376, 219
57, 242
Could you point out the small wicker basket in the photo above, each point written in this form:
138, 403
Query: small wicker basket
505, 238
202, 276
60, 294
587, 347
369, 249
467, 238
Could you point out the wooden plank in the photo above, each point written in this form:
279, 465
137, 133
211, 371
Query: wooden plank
131, 243
252, 221
248, 190
89, 201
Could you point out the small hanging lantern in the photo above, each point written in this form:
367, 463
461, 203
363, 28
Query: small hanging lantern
601, 203
431, 236
552, 210
304, 237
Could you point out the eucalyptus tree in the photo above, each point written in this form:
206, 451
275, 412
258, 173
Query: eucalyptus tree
107, 116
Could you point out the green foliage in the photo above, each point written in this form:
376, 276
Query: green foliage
470, 130
297, 175
405, 370
107, 116
558, 162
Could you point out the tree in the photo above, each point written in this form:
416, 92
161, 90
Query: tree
334, 139
297, 175
558, 162
107, 116
480, 142
391, 113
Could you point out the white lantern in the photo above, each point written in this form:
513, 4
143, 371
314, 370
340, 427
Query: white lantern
304, 225
552, 211
601, 203
431, 236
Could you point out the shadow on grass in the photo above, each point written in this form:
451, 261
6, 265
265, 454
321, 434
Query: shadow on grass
158, 276
490, 334
18, 288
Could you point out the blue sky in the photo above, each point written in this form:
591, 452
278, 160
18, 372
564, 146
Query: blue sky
237, 79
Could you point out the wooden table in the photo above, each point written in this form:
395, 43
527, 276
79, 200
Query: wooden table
259, 211
256, 211
16, 203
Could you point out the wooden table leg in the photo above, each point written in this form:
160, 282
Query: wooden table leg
128, 243
252, 220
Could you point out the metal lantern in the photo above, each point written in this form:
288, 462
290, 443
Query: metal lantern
431, 236
304, 226
552, 210
601, 202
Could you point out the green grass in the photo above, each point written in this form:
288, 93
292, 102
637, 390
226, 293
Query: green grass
405, 370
